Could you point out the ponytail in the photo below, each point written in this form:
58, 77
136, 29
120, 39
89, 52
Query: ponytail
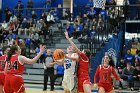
11, 52
111, 62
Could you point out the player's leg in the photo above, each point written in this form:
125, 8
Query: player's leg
7, 86
2, 79
101, 90
1, 88
87, 86
45, 79
52, 79
73, 84
65, 84
66, 91
17, 84
111, 91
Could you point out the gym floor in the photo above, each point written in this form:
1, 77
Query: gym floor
37, 88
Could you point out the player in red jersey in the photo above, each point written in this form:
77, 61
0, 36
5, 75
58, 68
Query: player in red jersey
14, 69
84, 83
2, 65
105, 71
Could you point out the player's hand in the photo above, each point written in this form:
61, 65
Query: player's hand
95, 86
121, 80
54, 63
60, 62
42, 48
66, 35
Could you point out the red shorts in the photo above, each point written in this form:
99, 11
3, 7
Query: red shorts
2, 78
82, 81
107, 86
14, 83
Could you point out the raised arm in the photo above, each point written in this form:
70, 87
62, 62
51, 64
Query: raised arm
24, 59
72, 43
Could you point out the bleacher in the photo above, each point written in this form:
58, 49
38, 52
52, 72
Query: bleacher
98, 45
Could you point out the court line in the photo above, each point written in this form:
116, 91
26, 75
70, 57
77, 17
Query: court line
59, 88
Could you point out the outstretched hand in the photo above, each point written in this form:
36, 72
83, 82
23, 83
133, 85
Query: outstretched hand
66, 35
42, 48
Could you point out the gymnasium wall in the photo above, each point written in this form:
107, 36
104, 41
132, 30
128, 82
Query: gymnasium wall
39, 4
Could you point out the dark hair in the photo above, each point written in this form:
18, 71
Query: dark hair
41, 43
4, 49
111, 61
12, 51
87, 52
138, 65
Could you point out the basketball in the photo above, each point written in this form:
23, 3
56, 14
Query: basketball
58, 54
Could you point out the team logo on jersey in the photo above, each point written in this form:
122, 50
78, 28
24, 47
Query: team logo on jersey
112, 52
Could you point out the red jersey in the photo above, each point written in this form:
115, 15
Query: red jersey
2, 62
83, 65
105, 74
14, 66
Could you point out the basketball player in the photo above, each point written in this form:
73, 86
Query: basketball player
84, 84
105, 72
2, 65
14, 69
70, 64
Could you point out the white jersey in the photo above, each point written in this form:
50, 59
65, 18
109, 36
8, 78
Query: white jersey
70, 66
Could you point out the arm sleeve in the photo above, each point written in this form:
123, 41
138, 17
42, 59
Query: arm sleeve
84, 57
115, 74
96, 74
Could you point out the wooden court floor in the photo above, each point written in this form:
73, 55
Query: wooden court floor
37, 88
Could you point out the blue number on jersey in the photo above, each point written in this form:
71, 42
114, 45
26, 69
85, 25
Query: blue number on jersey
68, 65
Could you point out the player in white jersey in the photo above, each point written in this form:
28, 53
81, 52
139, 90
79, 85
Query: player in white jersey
70, 64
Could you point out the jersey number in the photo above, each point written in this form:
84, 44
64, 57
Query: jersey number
68, 65
14, 65
105, 76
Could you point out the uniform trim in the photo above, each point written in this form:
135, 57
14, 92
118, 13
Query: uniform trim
20, 88
1, 71
76, 66
75, 83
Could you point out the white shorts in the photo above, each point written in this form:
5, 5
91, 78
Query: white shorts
69, 83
